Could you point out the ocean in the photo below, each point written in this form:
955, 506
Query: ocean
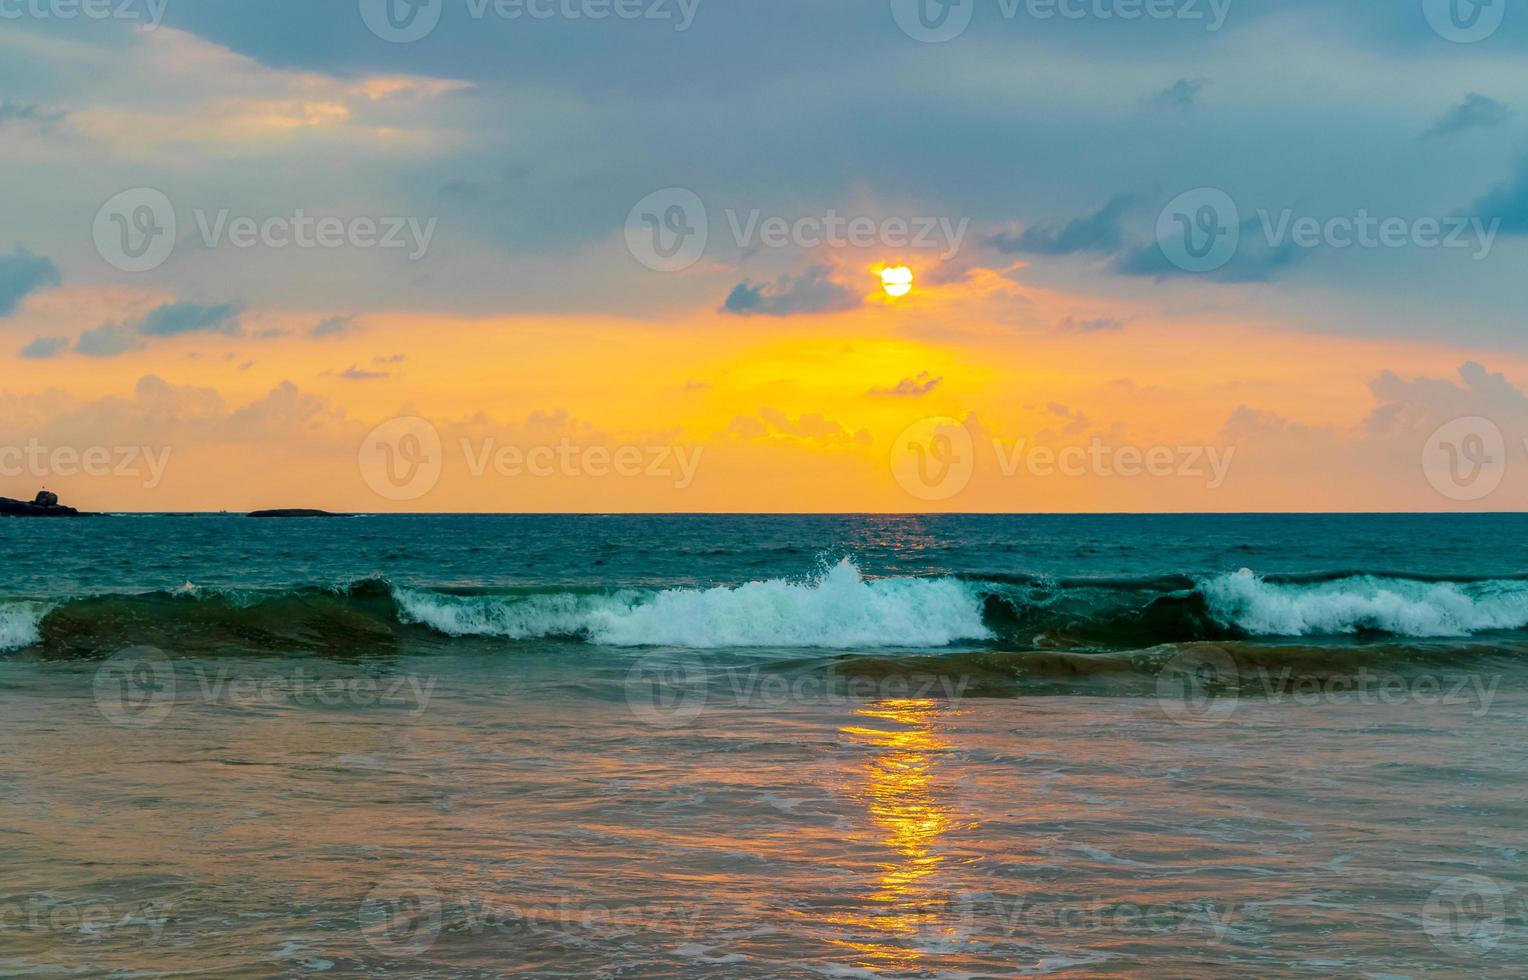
762, 746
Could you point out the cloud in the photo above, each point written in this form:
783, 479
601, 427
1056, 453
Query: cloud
1475, 112
1100, 325
19, 112
1256, 259
914, 387
1181, 95
357, 373
22, 273
107, 340
44, 347
1424, 403
1508, 202
1101, 231
812, 427
174, 319
165, 320
810, 292
1076, 421
332, 326
1374, 465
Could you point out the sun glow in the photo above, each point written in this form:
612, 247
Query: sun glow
897, 280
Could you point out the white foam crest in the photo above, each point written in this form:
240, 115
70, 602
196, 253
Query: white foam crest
19, 622
1403, 607
838, 610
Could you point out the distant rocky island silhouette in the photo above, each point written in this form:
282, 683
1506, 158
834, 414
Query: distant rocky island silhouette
45, 504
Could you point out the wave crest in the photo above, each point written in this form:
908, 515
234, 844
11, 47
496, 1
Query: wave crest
1365, 603
19, 622
838, 610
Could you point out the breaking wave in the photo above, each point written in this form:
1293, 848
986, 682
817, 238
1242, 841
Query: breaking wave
838, 609
1366, 603
19, 622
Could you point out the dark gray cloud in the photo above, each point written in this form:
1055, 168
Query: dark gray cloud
331, 326
44, 347
1508, 202
1099, 325
1101, 232
107, 340
22, 273
1255, 260
174, 319
19, 112
357, 373
1182, 94
915, 387
813, 291
1475, 112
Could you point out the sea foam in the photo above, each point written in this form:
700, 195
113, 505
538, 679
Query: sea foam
1404, 607
839, 609
19, 622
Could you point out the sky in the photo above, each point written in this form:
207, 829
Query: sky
631, 255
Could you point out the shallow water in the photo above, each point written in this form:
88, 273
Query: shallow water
281, 771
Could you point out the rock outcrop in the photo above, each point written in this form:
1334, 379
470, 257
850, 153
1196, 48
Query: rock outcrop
45, 504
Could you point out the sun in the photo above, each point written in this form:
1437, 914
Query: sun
897, 280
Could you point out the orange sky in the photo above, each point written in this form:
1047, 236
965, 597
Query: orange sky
769, 413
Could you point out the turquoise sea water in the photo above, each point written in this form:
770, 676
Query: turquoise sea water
764, 746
